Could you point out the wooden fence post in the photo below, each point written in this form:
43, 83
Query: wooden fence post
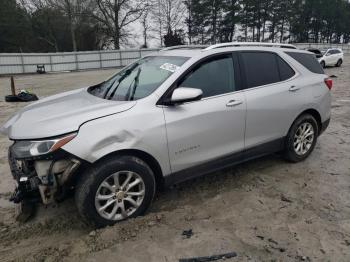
13, 89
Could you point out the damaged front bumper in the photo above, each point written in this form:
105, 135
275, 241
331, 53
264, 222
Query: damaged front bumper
42, 179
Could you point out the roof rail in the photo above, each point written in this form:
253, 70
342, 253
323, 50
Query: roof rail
184, 47
231, 44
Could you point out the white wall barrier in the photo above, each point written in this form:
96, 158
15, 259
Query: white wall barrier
19, 63
344, 47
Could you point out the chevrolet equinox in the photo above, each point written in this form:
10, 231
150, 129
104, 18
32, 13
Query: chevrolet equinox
176, 114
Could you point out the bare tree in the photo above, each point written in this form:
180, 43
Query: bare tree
116, 15
74, 10
48, 36
168, 15
145, 22
145, 28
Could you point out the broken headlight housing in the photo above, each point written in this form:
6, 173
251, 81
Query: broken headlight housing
27, 149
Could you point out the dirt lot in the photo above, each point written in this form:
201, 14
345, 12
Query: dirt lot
265, 210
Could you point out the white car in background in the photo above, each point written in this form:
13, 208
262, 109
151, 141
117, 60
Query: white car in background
331, 57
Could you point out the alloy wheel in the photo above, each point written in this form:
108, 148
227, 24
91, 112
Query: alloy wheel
120, 195
304, 138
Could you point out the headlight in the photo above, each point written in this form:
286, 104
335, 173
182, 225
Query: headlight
26, 149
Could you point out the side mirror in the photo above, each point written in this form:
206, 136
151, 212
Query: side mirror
185, 94
328, 54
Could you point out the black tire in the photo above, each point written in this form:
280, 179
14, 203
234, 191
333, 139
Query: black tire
12, 98
21, 97
290, 152
90, 181
323, 64
26, 97
339, 63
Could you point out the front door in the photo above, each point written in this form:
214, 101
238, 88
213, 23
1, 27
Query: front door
212, 127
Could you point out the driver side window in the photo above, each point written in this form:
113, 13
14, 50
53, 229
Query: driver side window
213, 77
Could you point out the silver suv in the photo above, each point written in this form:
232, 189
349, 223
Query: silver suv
168, 117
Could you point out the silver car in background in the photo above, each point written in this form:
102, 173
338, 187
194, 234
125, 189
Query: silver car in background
171, 116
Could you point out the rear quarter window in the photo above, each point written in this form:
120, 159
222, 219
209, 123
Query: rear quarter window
286, 71
261, 68
307, 60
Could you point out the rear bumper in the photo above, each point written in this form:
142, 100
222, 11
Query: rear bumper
324, 126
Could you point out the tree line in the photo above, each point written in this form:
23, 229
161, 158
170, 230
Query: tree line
79, 25
212, 21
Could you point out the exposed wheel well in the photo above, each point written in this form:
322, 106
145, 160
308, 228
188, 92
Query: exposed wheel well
150, 160
315, 114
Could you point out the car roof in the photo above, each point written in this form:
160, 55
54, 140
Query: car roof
182, 52
202, 51
312, 49
333, 48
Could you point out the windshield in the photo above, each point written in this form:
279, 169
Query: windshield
139, 79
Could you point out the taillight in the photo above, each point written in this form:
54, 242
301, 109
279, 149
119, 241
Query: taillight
329, 82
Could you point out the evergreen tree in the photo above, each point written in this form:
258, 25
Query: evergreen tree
173, 38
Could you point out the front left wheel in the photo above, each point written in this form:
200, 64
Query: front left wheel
114, 190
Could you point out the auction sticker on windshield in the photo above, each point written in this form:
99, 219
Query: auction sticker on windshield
169, 67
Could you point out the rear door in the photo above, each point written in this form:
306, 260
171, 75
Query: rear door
337, 55
273, 99
333, 57
212, 127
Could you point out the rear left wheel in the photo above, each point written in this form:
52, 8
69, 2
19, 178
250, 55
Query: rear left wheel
301, 138
339, 63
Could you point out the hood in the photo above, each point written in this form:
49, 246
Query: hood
60, 114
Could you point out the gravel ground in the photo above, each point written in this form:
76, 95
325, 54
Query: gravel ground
265, 210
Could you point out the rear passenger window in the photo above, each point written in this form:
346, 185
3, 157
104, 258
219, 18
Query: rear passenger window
286, 71
213, 77
307, 60
261, 68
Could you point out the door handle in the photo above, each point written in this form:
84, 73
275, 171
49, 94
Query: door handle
294, 88
232, 103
